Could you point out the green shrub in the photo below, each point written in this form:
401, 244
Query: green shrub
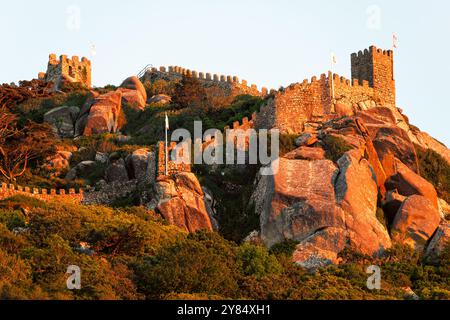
257, 261
434, 168
335, 147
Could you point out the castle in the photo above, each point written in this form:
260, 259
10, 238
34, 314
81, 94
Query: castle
372, 84
72, 70
292, 109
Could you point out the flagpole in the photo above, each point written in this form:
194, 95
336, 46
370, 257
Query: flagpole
167, 149
332, 78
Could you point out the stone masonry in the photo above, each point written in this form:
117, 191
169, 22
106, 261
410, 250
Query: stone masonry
310, 101
8, 191
65, 69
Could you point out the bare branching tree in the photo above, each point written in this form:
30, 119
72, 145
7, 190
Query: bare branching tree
20, 146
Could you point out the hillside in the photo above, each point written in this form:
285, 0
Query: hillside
85, 182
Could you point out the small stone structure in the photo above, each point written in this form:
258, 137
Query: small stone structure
65, 69
173, 166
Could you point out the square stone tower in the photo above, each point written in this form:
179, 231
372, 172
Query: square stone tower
377, 67
65, 69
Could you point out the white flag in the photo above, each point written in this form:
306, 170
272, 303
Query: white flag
333, 58
167, 122
394, 41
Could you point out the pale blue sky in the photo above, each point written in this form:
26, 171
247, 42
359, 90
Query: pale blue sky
270, 43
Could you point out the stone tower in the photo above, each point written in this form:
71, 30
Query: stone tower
377, 67
65, 69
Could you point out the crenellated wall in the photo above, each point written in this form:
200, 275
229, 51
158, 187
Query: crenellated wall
313, 100
223, 88
7, 191
377, 67
71, 69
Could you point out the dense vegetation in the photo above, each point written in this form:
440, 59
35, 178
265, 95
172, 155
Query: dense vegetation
132, 254
435, 169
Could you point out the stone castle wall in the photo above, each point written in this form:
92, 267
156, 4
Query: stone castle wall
312, 100
7, 191
72, 70
221, 88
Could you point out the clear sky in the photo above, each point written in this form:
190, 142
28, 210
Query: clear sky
267, 42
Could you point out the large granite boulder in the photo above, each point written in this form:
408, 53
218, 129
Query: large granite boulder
388, 130
320, 249
80, 169
357, 195
425, 141
180, 200
415, 222
117, 171
323, 207
81, 121
142, 165
298, 201
439, 242
62, 120
133, 93
104, 114
306, 153
408, 183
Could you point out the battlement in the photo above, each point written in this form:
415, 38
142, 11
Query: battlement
314, 99
10, 190
377, 67
244, 125
68, 69
211, 78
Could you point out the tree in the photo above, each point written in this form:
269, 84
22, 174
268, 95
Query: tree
189, 92
20, 146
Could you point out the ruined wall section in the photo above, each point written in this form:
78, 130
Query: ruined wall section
173, 167
311, 101
72, 70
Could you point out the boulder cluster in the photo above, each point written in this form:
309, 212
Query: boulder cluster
367, 196
101, 113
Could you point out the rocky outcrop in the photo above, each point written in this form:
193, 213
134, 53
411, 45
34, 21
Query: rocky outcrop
357, 195
415, 222
388, 130
117, 171
133, 93
408, 183
323, 207
62, 120
298, 201
320, 249
104, 114
81, 168
81, 121
306, 140
180, 200
425, 141
439, 242
306, 153
142, 166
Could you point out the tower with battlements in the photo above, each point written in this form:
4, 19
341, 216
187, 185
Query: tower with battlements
314, 100
377, 67
72, 70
